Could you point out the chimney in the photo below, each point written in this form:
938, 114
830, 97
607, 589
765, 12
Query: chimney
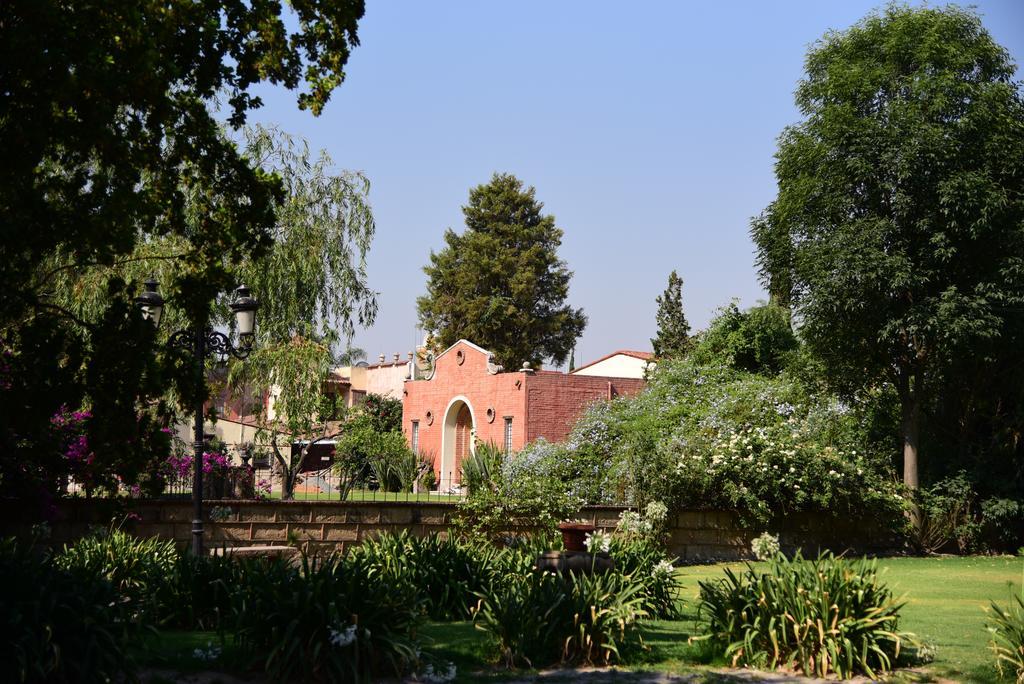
397, 356
380, 359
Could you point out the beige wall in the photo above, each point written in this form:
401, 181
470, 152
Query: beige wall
387, 379
618, 366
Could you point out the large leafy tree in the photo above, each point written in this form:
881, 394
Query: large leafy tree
311, 282
673, 336
898, 230
108, 120
500, 283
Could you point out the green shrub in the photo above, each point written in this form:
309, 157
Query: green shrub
137, 568
538, 618
197, 595
481, 469
1002, 524
947, 516
328, 619
644, 561
57, 624
444, 573
525, 493
824, 616
1006, 627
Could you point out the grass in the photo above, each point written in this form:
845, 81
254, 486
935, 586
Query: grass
945, 598
945, 606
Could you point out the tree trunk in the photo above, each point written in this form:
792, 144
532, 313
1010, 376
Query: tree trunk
910, 427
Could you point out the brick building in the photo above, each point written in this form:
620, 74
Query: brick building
467, 397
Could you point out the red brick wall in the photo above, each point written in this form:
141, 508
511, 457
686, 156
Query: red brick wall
482, 391
556, 401
543, 404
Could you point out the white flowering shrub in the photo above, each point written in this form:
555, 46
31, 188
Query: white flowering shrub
765, 546
598, 541
715, 437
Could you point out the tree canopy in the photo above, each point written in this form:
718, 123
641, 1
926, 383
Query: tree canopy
897, 230
673, 335
500, 283
110, 123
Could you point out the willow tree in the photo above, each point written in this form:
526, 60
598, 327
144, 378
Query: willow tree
898, 231
311, 284
111, 136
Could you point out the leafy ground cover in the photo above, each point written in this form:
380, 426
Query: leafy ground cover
946, 600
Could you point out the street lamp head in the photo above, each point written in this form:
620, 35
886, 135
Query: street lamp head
151, 303
244, 308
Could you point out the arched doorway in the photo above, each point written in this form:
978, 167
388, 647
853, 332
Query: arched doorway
456, 441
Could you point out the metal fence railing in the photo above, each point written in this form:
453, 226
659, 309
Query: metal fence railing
270, 483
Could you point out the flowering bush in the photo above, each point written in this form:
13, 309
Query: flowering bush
715, 437
765, 546
598, 541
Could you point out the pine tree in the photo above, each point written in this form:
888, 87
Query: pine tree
673, 336
500, 283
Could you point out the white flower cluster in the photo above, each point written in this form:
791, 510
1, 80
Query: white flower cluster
656, 513
631, 522
208, 654
343, 637
663, 570
598, 541
437, 675
766, 546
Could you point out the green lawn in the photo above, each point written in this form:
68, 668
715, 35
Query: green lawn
946, 598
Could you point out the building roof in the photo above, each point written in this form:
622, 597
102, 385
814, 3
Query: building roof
642, 355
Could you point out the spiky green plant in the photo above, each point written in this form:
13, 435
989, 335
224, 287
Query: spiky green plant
481, 467
824, 616
1006, 628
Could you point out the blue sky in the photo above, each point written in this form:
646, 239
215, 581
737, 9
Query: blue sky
647, 129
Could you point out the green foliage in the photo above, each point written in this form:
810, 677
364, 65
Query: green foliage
1006, 627
759, 340
481, 468
197, 594
524, 494
500, 283
827, 616
98, 169
538, 618
903, 261
643, 560
947, 516
381, 413
673, 338
445, 574
137, 568
1002, 524
329, 619
714, 437
57, 624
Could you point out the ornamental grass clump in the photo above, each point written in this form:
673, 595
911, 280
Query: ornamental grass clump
1006, 627
539, 618
327, 619
823, 617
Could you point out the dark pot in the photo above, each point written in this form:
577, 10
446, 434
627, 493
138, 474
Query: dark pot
574, 563
574, 535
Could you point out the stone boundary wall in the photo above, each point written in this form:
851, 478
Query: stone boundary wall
694, 536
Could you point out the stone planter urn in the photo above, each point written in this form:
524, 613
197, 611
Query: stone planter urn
574, 559
574, 535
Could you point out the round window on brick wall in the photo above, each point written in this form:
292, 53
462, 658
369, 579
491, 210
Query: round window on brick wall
460, 357
490, 415
429, 418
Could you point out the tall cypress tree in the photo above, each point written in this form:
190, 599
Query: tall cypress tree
673, 336
500, 283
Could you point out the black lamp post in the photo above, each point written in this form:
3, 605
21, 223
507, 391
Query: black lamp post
203, 341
